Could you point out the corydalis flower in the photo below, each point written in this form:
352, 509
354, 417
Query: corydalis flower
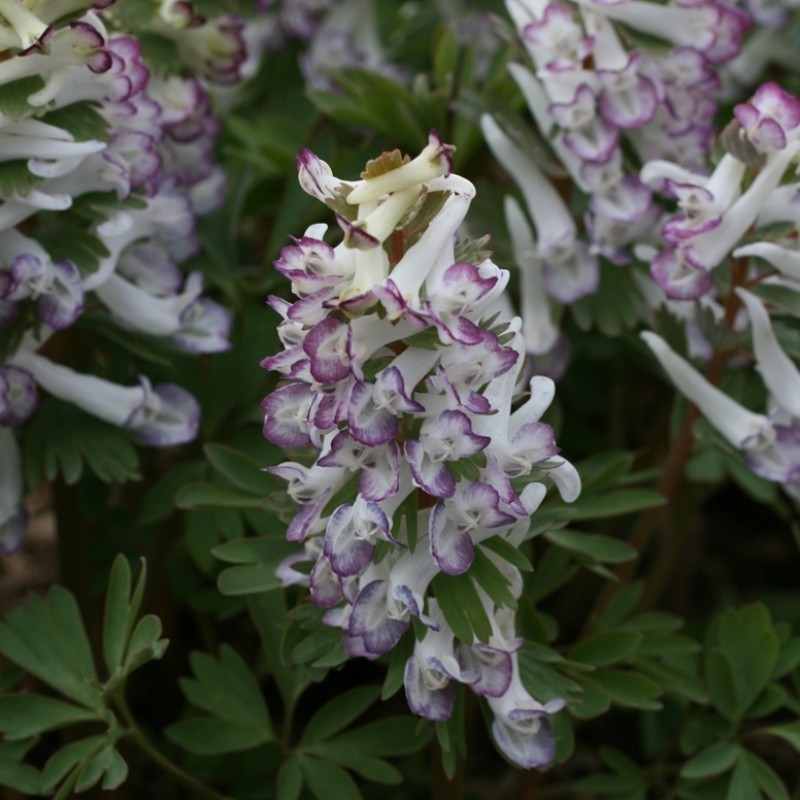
715, 212
770, 443
162, 415
393, 348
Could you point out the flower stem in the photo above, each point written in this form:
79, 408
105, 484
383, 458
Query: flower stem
135, 735
672, 474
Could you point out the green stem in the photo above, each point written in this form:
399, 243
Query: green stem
135, 735
672, 475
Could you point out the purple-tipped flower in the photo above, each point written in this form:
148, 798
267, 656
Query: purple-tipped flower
399, 372
18, 396
769, 118
163, 415
521, 728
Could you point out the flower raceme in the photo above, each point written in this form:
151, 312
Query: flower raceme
133, 174
399, 376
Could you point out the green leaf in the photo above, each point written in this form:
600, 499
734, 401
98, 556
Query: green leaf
390, 736
115, 768
592, 702
445, 55
144, 644
63, 440
503, 548
741, 653
789, 733
788, 660
766, 777
16, 178
769, 701
619, 762
622, 604
675, 681
290, 779
701, 732
227, 690
490, 578
81, 120
564, 735
602, 470
21, 777
241, 470
592, 545
215, 495
249, 579
16, 775
326, 780
115, 619
552, 571
14, 97
208, 736
66, 237
24, 715
317, 645
462, 607
617, 503
629, 689
397, 657
713, 760
68, 757
783, 296
100, 763
742, 785
544, 681
256, 561
613, 308
338, 713
159, 502
46, 637
372, 769
268, 612
606, 647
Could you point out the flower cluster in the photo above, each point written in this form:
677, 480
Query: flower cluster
103, 168
601, 100
336, 35
400, 375
715, 211
720, 217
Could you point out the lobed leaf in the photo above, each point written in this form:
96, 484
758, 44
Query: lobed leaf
713, 760
595, 546
605, 648
338, 713
24, 715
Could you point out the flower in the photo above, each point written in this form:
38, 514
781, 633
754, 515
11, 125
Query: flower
131, 176
400, 376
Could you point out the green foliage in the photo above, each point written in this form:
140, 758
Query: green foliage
62, 441
81, 120
47, 638
128, 641
613, 309
741, 652
64, 236
673, 687
236, 715
14, 101
16, 178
